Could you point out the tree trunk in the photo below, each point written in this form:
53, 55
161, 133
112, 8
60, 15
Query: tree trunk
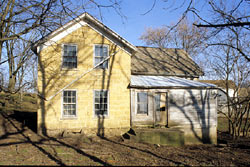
1, 47
246, 120
11, 62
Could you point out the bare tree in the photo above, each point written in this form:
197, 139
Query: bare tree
19, 19
219, 16
230, 66
184, 36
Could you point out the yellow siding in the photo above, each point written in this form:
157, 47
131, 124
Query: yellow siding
51, 78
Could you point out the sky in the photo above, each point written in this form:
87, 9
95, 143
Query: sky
136, 20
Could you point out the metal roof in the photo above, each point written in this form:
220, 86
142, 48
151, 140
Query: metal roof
166, 82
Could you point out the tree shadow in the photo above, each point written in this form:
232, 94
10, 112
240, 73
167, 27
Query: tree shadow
38, 144
28, 119
145, 151
162, 61
201, 114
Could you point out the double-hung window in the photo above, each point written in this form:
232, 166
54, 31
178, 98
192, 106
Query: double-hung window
101, 102
69, 103
69, 56
100, 53
142, 103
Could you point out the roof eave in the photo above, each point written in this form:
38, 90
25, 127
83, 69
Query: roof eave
85, 16
171, 87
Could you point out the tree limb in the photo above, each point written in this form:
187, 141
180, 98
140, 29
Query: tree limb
240, 24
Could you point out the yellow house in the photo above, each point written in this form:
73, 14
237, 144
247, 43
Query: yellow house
92, 81
83, 79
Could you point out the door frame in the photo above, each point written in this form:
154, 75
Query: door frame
166, 107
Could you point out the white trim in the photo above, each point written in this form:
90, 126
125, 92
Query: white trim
110, 39
65, 31
77, 23
111, 31
68, 117
107, 115
136, 94
105, 45
62, 53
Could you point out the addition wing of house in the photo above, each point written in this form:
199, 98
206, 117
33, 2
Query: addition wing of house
164, 62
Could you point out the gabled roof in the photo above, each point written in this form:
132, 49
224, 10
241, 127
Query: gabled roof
166, 62
143, 81
221, 83
84, 19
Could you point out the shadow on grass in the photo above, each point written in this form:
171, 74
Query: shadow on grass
43, 139
28, 119
145, 151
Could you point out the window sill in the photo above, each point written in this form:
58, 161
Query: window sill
101, 117
69, 118
141, 114
69, 69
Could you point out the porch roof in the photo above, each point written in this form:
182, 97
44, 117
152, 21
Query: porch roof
142, 81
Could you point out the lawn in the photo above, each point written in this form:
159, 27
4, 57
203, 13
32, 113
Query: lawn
20, 145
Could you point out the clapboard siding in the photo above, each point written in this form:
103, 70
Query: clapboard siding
192, 110
193, 107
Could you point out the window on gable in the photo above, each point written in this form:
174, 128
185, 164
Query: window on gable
101, 52
101, 102
142, 103
69, 56
69, 103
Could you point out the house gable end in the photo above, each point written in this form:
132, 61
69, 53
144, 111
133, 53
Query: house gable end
83, 20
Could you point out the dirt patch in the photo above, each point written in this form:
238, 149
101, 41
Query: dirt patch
19, 145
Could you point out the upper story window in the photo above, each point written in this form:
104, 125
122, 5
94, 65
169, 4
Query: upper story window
100, 53
69, 56
69, 103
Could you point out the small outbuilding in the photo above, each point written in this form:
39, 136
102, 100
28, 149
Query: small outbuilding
166, 99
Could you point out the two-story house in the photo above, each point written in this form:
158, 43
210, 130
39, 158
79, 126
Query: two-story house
93, 81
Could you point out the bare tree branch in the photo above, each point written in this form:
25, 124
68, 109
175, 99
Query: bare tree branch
240, 24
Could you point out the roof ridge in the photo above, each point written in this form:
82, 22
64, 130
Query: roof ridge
88, 18
157, 47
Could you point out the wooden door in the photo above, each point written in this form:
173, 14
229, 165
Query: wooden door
161, 112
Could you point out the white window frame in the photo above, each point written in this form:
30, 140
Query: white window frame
70, 44
105, 115
136, 103
62, 102
103, 45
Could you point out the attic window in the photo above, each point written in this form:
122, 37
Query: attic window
100, 53
69, 56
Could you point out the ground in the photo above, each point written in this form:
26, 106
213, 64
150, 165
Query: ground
20, 145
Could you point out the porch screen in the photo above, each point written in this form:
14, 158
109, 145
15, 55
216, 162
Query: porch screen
142, 103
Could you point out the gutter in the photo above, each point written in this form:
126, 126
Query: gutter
170, 87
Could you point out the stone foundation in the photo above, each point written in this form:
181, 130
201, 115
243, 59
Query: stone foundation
107, 132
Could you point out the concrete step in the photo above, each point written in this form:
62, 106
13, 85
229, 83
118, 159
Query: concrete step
159, 136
